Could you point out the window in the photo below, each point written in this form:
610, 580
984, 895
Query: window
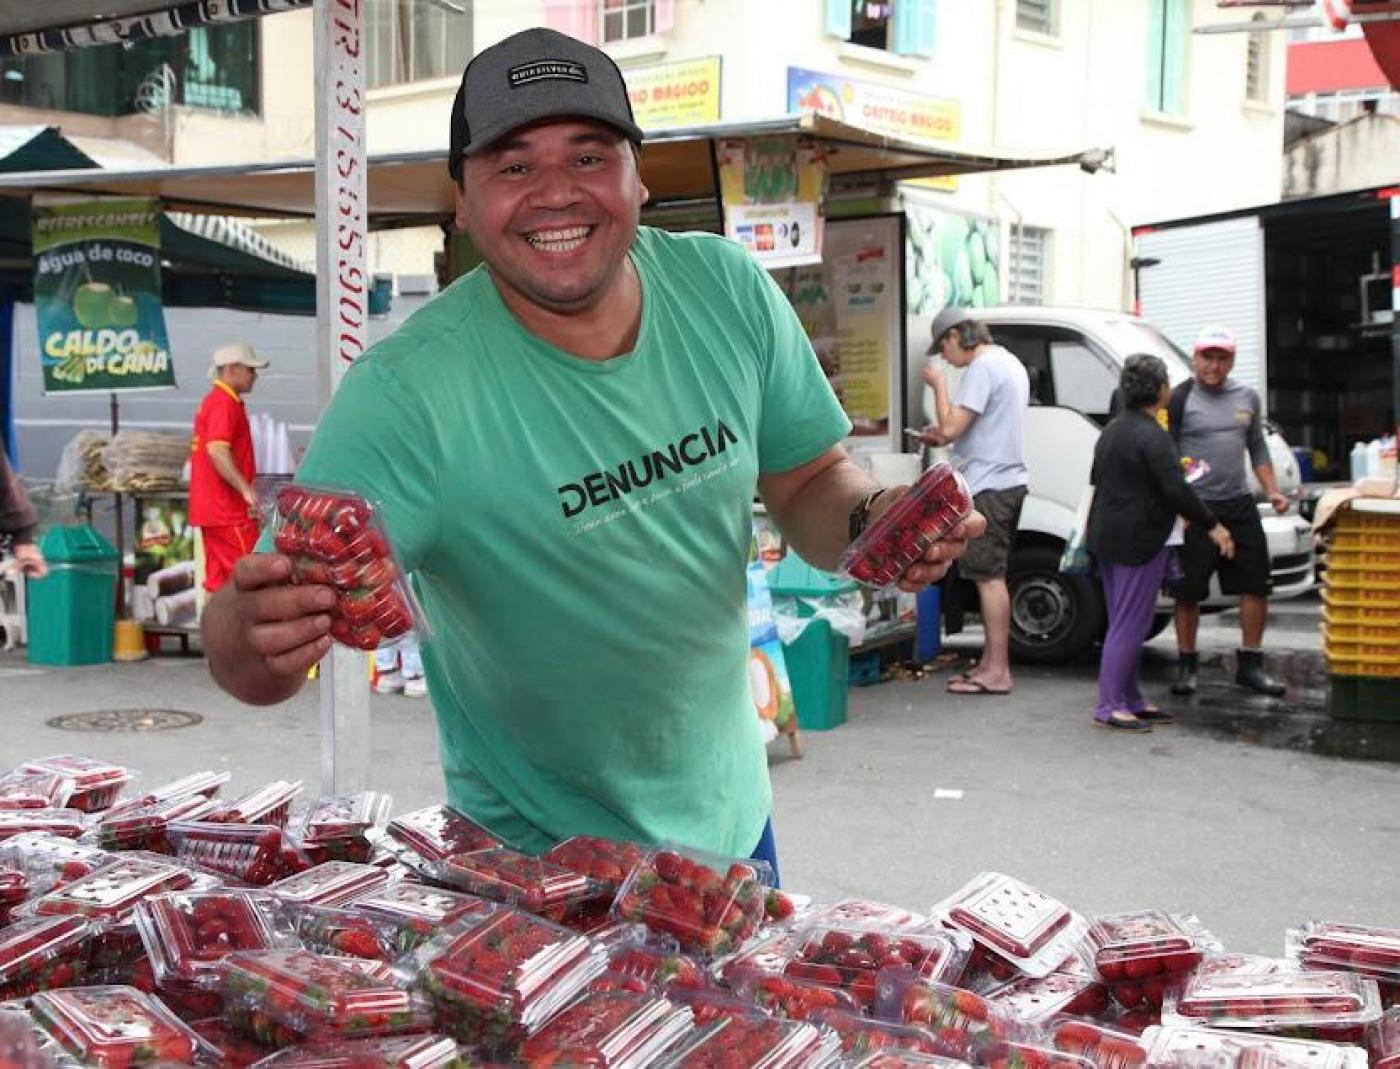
1256, 72
1168, 37
416, 40
1039, 16
624, 20
1029, 265
1083, 380
211, 67
902, 26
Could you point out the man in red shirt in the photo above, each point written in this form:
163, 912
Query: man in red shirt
223, 504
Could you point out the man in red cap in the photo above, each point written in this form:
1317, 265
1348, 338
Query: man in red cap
1217, 422
223, 504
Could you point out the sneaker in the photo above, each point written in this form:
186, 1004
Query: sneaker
389, 683
415, 687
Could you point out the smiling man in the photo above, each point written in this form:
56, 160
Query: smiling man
566, 444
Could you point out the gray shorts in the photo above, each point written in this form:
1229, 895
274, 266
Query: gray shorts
986, 557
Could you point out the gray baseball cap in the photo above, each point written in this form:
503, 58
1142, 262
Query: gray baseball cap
945, 321
532, 75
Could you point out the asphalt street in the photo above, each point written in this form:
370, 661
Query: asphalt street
918, 791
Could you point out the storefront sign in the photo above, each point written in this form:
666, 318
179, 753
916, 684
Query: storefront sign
883, 108
675, 94
97, 296
772, 189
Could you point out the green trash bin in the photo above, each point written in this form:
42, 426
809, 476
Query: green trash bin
72, 609
819, 660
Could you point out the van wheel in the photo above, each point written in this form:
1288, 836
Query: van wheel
1055, 618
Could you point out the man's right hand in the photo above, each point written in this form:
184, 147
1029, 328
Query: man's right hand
262, 632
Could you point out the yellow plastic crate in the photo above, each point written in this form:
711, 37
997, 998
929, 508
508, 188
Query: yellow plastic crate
1379, 634
1336, 596
1362, 538
1359, 615
1365, 669
1363, 653
1360, 560
1343, 577
1350, 520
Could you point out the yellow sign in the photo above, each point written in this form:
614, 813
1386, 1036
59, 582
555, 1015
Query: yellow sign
886, 109
675, 94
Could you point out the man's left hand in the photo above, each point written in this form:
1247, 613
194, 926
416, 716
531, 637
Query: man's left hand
938, 557
30, 561
1280, 502
933, 435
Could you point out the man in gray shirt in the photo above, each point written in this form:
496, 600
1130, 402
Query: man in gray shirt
985, 423
1219, 421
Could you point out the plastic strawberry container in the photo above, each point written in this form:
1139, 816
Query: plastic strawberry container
338, 827
255, 854
269, 804
1107, 1048
331, 884
532, 883
1388, 1046
187, 936
336, 539
1360, 948
39, 953
1138, 953
867, 913
115, 1027
67, 823
341, 932
14, 887
111, 893
656, 962
966, 1025
389, 1052
1340, 1007
495, 979
438, 832
862, 1035
768, 955
1038, 998
231, 1049
290, 996
850, 959
711, 905
415, 911
900, 1059
1181, 1046
613, 1029
144, 827
24, 1044
95, 784
928, 513
794, 998
34, 790
1014, 1055
1025, 927
606, 862
751, 1043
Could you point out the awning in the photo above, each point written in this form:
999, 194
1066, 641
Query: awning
39, 148
28, 27
413, 189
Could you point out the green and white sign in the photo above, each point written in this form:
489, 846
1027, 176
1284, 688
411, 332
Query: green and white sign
97, 296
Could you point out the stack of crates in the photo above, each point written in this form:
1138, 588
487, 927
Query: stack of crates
1361, 615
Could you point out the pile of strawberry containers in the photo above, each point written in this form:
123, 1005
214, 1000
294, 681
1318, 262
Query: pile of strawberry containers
168, 926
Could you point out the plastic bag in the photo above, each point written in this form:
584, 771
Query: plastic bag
81, 465
844, 612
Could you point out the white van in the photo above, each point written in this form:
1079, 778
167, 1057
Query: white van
1074, 357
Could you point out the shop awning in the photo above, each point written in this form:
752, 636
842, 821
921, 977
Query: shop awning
412, 188
39, 148
29, 26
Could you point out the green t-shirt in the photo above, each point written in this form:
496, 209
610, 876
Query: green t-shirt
578, 533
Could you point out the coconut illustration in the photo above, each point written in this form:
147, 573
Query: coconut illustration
92, 305
122, 313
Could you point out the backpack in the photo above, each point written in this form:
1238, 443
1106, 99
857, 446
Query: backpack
1176, 409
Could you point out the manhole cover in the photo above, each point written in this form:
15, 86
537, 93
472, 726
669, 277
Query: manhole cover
126, 720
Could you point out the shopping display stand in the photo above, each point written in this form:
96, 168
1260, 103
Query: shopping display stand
1361, 610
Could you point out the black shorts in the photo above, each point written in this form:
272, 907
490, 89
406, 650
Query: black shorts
1247, 573
986, 557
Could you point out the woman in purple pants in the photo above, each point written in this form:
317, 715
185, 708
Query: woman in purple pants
1139, 490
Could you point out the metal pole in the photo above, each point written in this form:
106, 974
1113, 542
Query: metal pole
342, 311
120, 520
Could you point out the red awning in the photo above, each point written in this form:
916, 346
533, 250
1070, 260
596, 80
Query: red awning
1384, 39
1332, 66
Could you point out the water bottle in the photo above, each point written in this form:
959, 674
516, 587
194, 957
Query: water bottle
1358, 461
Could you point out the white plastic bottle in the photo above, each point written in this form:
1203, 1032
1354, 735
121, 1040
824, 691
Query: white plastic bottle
1373, 457
1358, 461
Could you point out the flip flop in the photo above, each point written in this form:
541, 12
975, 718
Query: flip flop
1122, 720
1155, 715
968, 685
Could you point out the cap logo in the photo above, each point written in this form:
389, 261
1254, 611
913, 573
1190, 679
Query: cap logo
547, 70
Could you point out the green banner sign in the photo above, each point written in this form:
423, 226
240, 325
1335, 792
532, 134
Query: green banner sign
97, 296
